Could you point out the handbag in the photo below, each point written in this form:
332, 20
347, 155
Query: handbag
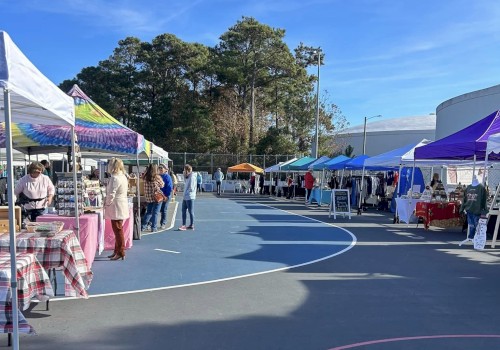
159, 197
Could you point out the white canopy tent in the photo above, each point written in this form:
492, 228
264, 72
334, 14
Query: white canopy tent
27, 96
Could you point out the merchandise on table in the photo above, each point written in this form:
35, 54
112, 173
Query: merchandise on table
65, 194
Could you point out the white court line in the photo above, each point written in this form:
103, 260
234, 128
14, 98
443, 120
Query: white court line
171, 223
352, 244
167, 251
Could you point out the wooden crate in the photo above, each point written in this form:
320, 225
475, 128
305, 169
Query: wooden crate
4, 216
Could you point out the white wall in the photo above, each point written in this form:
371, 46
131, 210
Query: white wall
384, 141
461, 111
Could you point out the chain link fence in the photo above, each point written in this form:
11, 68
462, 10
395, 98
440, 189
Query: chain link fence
209, 162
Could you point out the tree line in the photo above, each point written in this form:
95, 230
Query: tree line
250, 94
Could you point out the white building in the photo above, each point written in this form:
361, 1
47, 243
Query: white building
461, 111
383, 135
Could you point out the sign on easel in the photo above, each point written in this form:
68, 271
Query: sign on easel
340, 203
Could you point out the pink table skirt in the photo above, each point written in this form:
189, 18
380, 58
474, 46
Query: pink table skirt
128, 232
89, 228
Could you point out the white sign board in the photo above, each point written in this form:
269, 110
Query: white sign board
340, 203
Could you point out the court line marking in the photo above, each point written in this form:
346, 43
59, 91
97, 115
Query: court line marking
167, 251
389, 340
352, 244
172, 223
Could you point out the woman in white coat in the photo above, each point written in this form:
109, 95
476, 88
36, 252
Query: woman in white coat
116, 204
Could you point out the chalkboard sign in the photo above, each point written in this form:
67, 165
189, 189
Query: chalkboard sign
340, 203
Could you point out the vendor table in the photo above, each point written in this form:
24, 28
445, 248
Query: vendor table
406, 207
91, 232
128, 232
33, 282
59, 251
439, 214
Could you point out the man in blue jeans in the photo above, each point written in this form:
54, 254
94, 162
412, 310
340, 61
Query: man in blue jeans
218, 177
167, 191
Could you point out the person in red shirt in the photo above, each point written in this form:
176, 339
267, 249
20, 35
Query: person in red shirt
308, 183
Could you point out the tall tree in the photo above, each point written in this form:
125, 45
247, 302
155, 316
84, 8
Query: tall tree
248, 52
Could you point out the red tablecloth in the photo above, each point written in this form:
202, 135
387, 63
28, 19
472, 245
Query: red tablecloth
439, 214
62, 250
89, 229
33, 282
128, 232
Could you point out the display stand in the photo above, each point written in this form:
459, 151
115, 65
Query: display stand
65, 194
340, 203
495, 210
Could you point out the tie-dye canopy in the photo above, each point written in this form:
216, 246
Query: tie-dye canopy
95, 130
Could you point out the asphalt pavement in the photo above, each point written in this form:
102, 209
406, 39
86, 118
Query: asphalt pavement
265, 273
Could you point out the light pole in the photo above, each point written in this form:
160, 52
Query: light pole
364, 132
316, 135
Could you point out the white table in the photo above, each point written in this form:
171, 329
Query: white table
406, 207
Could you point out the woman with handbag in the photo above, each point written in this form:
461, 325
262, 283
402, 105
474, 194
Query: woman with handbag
153, 184
116, 205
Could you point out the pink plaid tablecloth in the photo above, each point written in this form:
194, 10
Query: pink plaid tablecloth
33, 282
62, 250
91, 232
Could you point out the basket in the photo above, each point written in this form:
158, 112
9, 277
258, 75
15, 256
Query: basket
45, 227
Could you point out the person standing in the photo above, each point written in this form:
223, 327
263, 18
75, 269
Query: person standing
189, 197
175, 181
199, 181
116, 205
261, 184
252, 183
218, 177
435, 181
153, 184
308, 183
46, 165
167, 192
37, 190
474, 206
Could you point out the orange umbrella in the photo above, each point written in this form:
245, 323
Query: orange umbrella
245, 168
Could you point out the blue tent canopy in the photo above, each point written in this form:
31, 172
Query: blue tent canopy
355, 163
330, 163
300, 164
318, 163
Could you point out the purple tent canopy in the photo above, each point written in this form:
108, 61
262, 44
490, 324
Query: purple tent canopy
464, 144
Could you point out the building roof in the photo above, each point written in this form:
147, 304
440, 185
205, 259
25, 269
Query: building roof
426, 122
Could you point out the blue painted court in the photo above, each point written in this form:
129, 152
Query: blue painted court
232, 238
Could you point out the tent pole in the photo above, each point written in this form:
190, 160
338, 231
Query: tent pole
360, 208
412, 178
139, 194
75, 183
396, 214
474, 167
485, 165
12, 220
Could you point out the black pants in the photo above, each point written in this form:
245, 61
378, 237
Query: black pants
218, 187
34, 213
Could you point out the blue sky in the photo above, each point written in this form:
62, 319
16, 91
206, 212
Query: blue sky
391, 57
